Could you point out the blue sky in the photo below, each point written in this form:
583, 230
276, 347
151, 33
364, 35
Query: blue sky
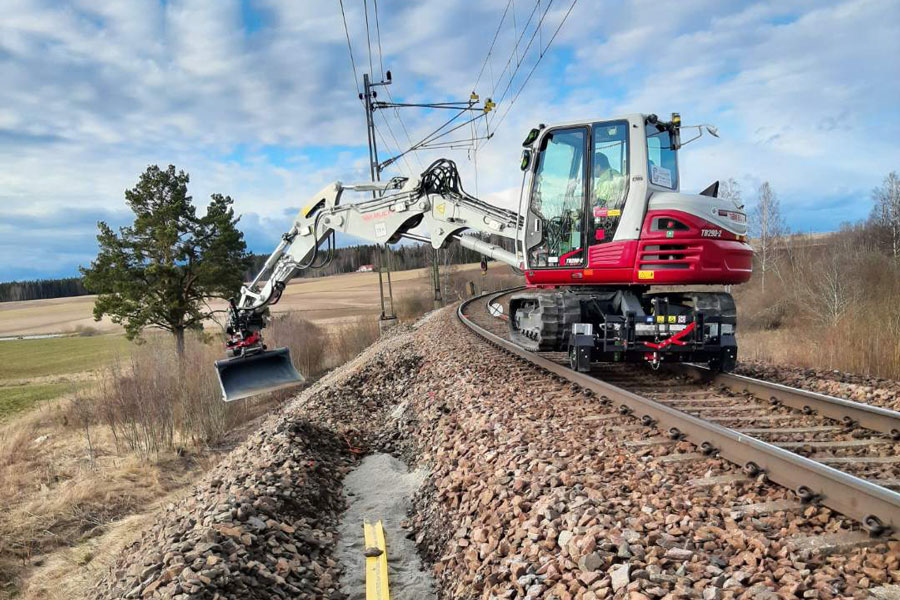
256, 99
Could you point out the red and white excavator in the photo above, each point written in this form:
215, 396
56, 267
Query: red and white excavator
601, 220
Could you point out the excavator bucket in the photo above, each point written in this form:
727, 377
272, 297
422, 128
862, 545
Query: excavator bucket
247, 376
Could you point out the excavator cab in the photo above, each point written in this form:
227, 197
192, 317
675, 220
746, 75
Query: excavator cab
598, 197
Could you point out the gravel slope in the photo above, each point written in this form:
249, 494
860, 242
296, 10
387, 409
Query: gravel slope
263, 523
535, 491
860, 388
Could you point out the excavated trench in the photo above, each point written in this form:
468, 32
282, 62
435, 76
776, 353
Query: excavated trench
381, 489
532, 490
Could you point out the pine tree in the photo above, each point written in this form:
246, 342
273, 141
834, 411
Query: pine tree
161, 270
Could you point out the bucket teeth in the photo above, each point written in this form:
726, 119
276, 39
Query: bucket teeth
247, 376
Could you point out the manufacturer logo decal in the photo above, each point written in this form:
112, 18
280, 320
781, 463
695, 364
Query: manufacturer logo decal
378, 216
711, 233
607, 212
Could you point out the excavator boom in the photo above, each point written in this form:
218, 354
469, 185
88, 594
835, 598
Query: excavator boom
435, 200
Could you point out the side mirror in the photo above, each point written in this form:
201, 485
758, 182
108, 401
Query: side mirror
532, 135
388, 74
526, 159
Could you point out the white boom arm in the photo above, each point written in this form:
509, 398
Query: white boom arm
435, 199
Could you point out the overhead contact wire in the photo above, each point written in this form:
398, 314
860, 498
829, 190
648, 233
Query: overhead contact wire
349, 47
534, 67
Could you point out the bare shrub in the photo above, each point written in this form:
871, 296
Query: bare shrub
351, 338
85, 330
305, 340
201, 417
410, 307
829, 303
152, 401
135, 400
81, 413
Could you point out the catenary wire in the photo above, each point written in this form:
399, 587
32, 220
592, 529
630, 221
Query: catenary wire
368, 38
534, 67
515, 50
397, 145
349, 47
388, 91
491, 48
524, 53
378, 36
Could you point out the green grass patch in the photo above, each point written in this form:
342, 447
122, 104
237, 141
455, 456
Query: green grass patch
25, 359
15, 399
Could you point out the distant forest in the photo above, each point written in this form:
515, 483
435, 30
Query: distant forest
40, 289
345, 260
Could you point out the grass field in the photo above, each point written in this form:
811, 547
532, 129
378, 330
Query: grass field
30, 359
37, 370
15, 399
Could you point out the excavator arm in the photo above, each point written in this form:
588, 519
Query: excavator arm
435, 200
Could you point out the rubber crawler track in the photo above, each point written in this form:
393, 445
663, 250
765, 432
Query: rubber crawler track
872, 503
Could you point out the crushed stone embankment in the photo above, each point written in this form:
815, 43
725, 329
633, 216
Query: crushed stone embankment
539, 491
859, 388
263, 523
535, 490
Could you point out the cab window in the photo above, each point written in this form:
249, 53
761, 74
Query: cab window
661, 158
557, 199
609, 178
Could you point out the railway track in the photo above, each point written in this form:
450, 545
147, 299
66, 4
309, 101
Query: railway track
830, 451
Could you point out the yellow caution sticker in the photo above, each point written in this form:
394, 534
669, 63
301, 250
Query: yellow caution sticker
672, 318
307, 208
440, 208
645, 274
376, 562
660, 319
613, 212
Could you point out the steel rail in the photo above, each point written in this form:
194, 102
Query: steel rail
875, 507
848, 412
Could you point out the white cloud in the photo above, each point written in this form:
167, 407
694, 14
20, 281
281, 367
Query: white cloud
803, 92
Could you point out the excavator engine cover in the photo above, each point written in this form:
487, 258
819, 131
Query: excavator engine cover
258, 373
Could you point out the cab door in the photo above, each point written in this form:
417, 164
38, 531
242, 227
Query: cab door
609, 256
556, 212
609, 179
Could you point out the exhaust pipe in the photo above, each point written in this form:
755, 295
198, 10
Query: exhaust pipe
246, 376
